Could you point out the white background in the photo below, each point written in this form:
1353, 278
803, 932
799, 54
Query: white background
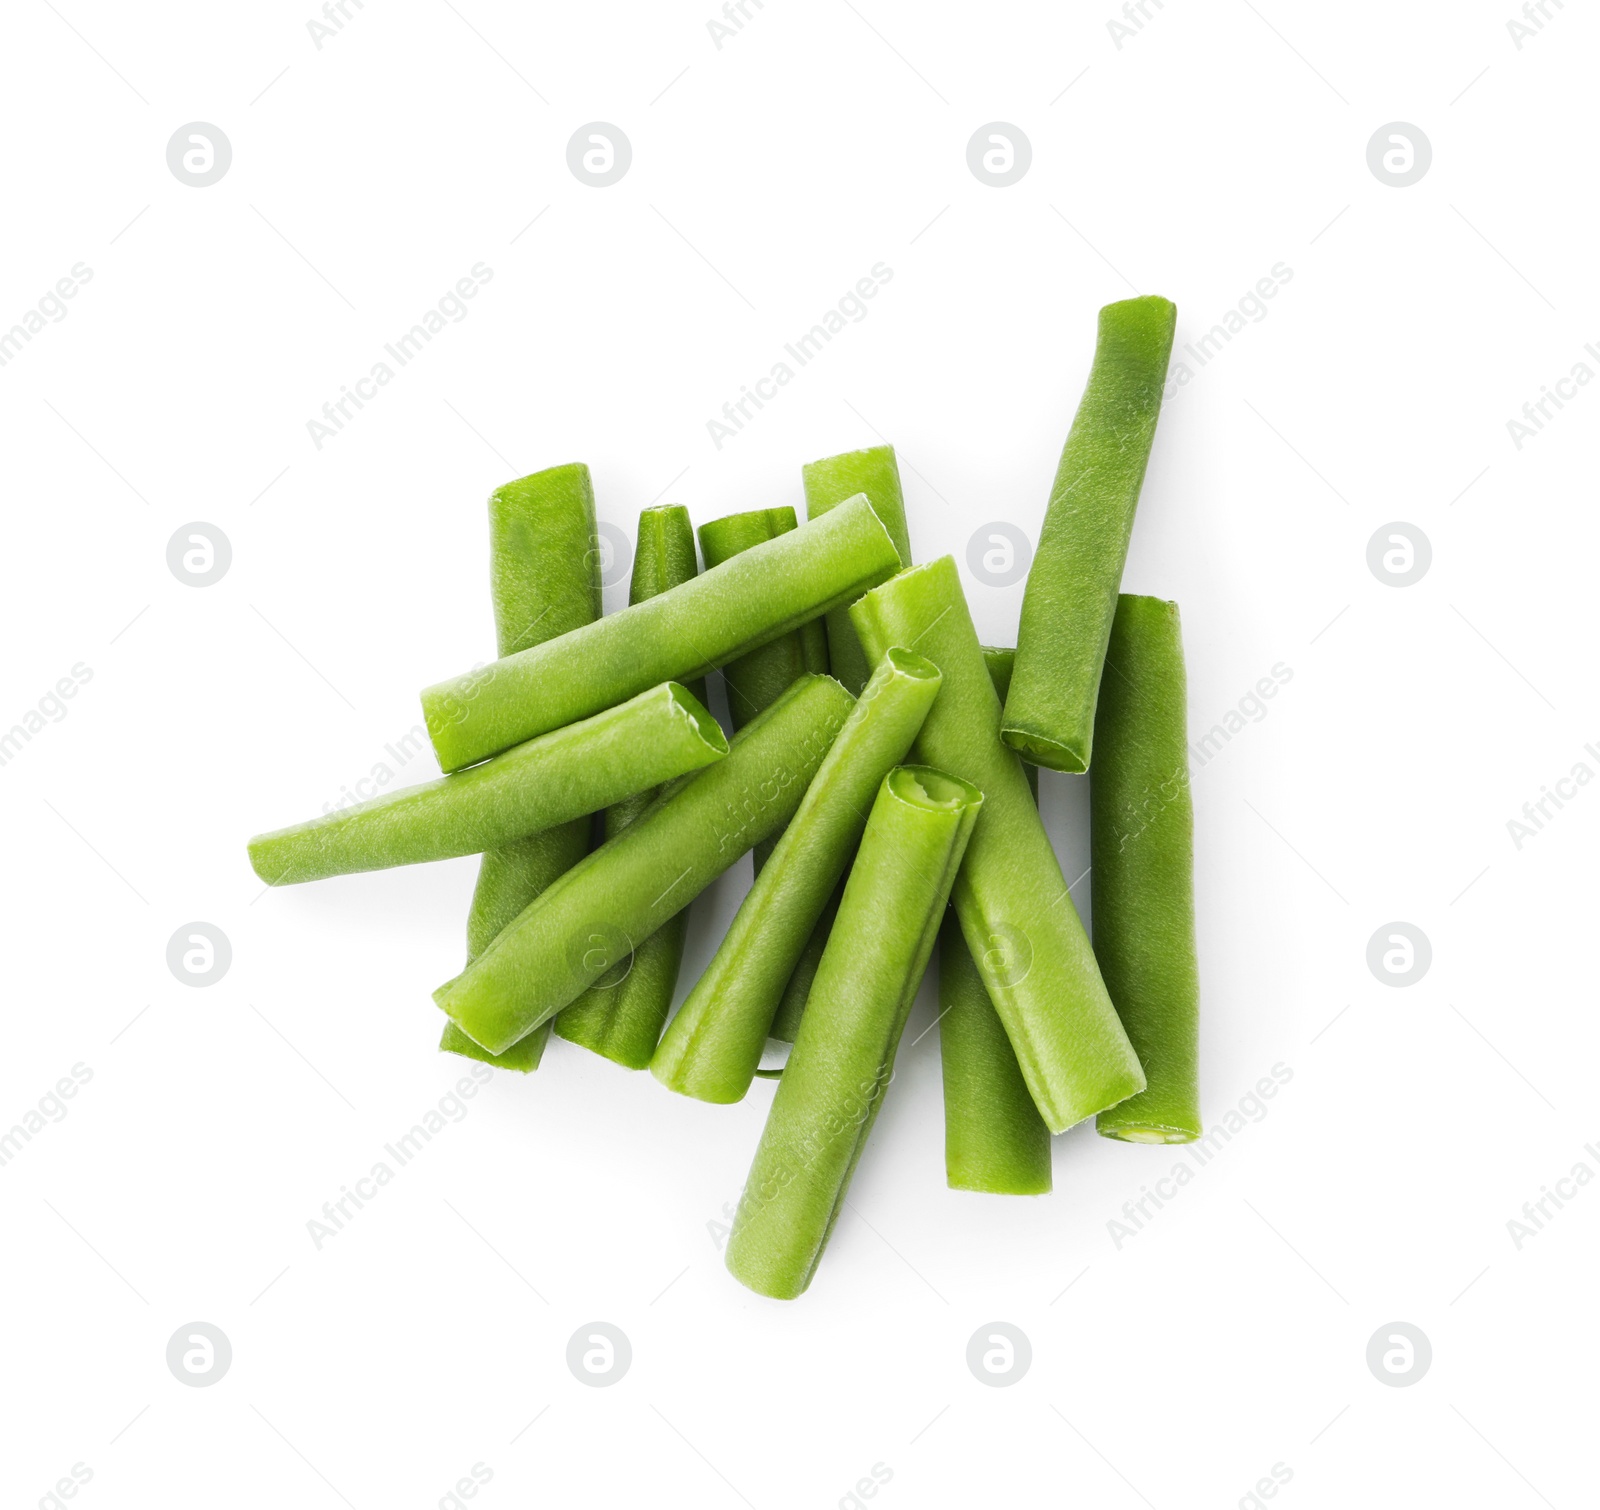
769, 175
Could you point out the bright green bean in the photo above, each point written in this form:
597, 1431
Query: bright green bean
994, 1138
843, 1060
1071, 594
1012, 899
544, 560
621, 1019
712, 1047
760, 594
592, 917
655, 737
544, 579
830, 481
1142, 846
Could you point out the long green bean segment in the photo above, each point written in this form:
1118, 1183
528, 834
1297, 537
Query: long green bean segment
843, 1059
1142, 847
994, 1138
1071, 594
544, 579
714, 1044
756, 680
830, 481
621, 1019
1011, 897
657, 736
591, 919
760, 594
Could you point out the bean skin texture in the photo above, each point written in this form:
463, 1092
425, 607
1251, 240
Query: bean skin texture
1141, 826
1071, 593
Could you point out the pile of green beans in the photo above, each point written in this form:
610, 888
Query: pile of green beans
881, 769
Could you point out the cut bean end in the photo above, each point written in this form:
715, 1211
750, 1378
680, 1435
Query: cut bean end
1148, 1134
1039, 749
705, 724
523, 1056
922, 786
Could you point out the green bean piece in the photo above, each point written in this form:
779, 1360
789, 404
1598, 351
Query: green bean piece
544, 561
760, 595
621, 1019
655, 737
1071, 594
713, 1046
843, 1060
1141, 840
994, 1138
544, 579
591, 919
1012, 899
830, 481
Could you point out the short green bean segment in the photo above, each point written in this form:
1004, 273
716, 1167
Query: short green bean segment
830, 481
544, 567
544, 579
713, 1046
1142, 846
621, 1019
843, 1059
654, 737
590, 920
1071, 593
1011, 897
755, 597
994, 1138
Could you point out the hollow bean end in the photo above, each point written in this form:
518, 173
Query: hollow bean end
523, 1056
